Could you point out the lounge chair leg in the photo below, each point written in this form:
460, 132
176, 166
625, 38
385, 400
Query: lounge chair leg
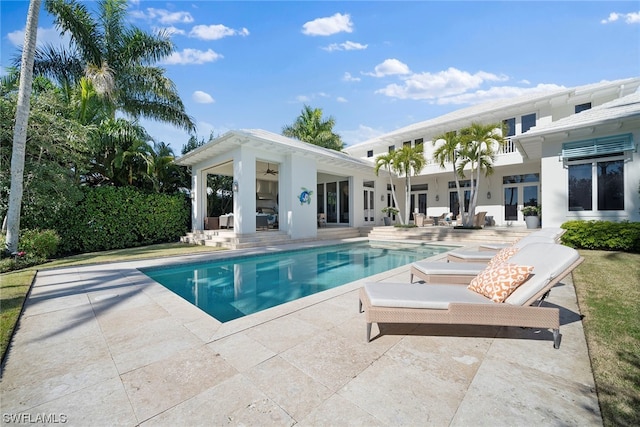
360, 306
556, 338
368, 332
410, 278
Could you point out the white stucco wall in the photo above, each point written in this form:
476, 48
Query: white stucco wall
555, 181
300, 219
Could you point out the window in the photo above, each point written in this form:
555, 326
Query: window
370, 153
608, 185
418, 142
510, 124
392, 148
582, 107
515, 179
406, 144
528, 121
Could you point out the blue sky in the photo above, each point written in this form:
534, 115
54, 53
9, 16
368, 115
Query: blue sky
374, 66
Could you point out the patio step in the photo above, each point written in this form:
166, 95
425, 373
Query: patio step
445, 234
228, 239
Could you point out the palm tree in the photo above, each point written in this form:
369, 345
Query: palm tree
116, 58
121, 153
479, 144
165, 175
310, 127
407, 161
386, 161
20, 128
448, 152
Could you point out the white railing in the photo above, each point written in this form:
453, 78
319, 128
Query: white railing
508, 147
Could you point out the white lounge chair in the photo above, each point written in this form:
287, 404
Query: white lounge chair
453, 304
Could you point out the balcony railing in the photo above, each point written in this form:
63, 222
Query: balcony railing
508, 147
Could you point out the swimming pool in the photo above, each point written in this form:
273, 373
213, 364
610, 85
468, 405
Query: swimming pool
236, 287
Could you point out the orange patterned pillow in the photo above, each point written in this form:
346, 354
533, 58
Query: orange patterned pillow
502, 255
497, 282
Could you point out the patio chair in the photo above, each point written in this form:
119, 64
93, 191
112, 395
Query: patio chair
463, 272
445, 219
458, 305
478, 219
322, 220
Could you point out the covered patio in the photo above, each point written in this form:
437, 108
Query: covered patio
279, 184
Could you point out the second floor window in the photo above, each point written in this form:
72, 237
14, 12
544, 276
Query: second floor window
510, 124
582, 107
370, 153
528, 121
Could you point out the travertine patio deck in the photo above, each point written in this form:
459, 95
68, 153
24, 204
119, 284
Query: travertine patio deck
105, 345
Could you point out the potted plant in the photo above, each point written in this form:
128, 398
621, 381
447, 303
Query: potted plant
389, 211
531, 216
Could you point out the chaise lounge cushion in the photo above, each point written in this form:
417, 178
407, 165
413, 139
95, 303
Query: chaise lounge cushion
408, 295
550, 261
497, 282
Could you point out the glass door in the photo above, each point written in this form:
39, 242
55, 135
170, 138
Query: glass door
368, 205
511, 203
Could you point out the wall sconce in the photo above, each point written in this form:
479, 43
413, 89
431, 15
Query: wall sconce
234, 186
488, 194
382, 198
437, 198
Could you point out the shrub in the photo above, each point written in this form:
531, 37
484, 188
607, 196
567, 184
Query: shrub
123, 217
603, 235
39, 243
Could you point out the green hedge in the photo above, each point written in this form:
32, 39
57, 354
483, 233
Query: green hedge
122, 217
603, 235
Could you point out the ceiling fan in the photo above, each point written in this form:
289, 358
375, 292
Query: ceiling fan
270, 171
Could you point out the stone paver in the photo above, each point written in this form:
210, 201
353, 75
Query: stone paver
105, 345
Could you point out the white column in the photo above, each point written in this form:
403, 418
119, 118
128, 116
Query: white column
244, 200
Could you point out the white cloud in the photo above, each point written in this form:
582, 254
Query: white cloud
171, 30
390, 67
349, 78
202, 97
303, 98
348, 45
45, 36
446, 83
494, 93
629, 18
341, 99
337, 23
163, 16
192, 56
361, 134
215, 32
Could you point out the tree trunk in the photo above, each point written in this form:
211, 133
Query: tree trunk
20, 128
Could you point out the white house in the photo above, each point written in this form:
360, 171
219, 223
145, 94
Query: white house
572, 150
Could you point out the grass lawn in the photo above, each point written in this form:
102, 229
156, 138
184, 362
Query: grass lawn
607, 285
608, 289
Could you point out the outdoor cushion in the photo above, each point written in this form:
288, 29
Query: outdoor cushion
446, 268
408, 295
499, 281
550, 260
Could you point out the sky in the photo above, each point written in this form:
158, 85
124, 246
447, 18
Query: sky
373, 66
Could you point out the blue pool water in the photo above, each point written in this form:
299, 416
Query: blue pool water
236, 287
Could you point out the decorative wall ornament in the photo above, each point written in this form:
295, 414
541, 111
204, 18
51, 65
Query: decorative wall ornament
305, 196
